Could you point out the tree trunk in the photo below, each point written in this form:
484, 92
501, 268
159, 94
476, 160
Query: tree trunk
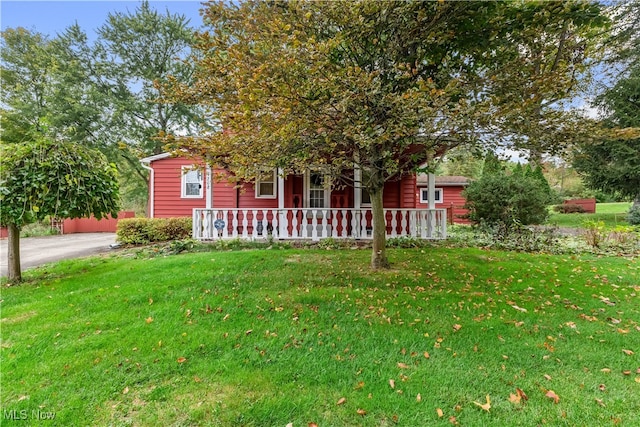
379, 253
13, 253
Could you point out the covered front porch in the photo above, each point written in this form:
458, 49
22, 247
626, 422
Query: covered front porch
315, 224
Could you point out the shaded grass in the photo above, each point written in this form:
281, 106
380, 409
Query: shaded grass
270, 337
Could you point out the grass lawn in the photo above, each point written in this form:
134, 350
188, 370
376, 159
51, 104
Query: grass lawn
271, 337
612, 214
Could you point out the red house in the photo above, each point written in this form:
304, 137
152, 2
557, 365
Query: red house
292, 207
448, 195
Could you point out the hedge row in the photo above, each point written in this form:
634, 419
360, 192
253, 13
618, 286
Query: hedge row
141, 231
569, 208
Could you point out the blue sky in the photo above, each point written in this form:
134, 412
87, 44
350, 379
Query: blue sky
52, 17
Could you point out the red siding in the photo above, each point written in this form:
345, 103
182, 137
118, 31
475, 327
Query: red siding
168, 201
225, 195
391, 194
408, 200
452, 201
589, 205
92, 225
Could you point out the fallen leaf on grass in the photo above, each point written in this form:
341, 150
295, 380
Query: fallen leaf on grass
519, 397
440, 413
392, 383
524, 310
551, 395
457, 327
149, 319
628, 352
419, 398
312, 425
403, 365
605, 370
600, 402
361, 412
485, 406
602, 387
547, 377
341, 401
181, 359
426, 355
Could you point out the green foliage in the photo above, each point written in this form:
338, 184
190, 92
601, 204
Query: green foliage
518, 238
142, 231
40, 228
619, 239
611, 165
568, 208
105, 95
384, 86
594, 232
59, 179
513, 199
634, 215
492, 165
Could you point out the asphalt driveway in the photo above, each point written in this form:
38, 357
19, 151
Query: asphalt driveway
35, 251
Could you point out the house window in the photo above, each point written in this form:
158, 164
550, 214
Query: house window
365, 197
266, 185
191, 182
316, 190
424, 195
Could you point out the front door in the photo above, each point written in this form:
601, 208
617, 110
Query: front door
316, 191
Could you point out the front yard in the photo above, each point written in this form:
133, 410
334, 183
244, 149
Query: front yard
450, 336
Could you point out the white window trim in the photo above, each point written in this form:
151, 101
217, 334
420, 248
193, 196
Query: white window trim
275, 187
183, 182
307, 189
424, 195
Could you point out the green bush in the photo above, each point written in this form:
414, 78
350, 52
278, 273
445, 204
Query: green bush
634, 216
515, 199
568, 208
142, 231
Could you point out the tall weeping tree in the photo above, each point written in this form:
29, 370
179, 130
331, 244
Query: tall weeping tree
383, 87
612, 162
41, 178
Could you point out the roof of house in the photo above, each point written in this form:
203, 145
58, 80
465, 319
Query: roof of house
156, 157
443, 181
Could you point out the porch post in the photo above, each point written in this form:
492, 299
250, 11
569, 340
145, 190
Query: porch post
357, 189
208, 188
357, 200
282, 214
431, 199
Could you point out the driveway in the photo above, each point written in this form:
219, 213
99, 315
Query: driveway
35, 251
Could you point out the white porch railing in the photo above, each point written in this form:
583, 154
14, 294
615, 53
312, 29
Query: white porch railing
315, 224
